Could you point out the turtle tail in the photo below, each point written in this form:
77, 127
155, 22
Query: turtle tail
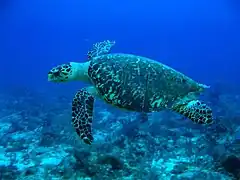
203, 86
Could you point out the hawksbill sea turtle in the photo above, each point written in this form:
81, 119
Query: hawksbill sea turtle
129, 82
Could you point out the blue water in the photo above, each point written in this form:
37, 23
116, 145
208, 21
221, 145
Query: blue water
200, 38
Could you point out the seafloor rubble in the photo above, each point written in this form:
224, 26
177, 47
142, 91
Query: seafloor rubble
38, 142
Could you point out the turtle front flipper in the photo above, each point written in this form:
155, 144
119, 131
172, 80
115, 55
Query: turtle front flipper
82, 115
195, 110
100, 48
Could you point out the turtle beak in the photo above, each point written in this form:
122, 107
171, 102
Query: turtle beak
52, 76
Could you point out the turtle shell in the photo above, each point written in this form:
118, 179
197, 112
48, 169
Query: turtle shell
138, 83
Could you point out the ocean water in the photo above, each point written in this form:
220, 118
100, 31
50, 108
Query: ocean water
198, 38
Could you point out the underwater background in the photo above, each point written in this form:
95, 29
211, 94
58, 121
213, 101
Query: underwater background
198, 38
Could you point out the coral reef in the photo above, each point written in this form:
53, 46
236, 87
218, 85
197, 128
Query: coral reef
38, 141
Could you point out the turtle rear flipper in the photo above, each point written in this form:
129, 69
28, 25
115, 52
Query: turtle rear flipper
82, 115
100, 48
195, 110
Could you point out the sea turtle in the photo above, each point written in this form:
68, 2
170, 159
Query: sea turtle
129, 82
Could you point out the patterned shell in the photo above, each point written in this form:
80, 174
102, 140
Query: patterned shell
138, 83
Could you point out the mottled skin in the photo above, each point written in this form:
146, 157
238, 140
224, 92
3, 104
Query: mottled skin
129, 82
85, 112
69, 72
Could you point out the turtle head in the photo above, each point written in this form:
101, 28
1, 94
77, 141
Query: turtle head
68, 72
